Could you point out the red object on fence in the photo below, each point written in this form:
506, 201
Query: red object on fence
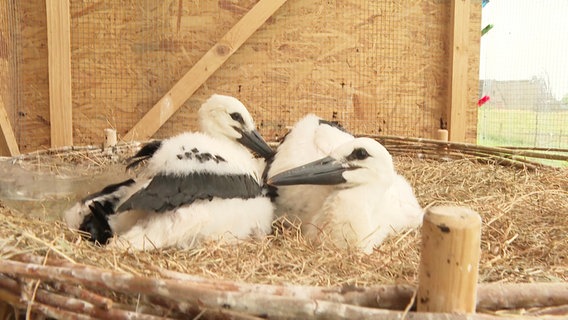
482, 101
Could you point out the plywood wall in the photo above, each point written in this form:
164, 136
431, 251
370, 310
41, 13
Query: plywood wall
379, 67
25, 84
7, 75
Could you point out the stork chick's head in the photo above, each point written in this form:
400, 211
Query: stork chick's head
226, 117
356, 162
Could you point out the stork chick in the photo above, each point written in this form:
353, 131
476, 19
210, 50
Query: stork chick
369, 200
222, 117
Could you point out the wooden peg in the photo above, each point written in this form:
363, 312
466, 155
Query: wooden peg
451, 238
443, 134
110, 138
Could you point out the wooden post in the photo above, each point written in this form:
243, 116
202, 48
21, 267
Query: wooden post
449, 262
202, 70
110, 138
457, 87
59, 57
442, 134
8, 143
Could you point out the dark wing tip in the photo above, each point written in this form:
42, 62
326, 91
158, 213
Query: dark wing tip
146, 152
335, 124
109, 190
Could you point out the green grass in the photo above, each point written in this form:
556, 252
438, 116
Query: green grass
520, 128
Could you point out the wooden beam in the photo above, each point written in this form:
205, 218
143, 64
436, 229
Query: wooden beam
202, 70
59, 57
8, 143
459, 46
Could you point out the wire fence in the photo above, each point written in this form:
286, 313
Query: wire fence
524, 74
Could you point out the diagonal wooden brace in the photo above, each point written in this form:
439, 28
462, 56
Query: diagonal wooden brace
202, 70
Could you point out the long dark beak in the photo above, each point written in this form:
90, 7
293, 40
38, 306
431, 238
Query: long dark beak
254, 141
326, 171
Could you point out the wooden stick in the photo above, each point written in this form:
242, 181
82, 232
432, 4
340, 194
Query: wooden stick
188, 309
84, 294
13, 298
6, 310
471, 146
75, 305
551, 311
521, 295
559, 150
203, 69
451, 238
393, 297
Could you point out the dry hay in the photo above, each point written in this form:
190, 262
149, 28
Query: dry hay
525, 223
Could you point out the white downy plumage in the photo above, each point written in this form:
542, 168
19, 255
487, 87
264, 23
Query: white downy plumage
311, 138
369, 200
200, 188
222, 117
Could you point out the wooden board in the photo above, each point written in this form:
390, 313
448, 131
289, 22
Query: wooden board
8, 143
29, 89
203, 69
59, 56
473, 71
458, 77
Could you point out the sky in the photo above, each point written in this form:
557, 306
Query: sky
529, 38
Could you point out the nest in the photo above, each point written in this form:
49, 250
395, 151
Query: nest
524, 208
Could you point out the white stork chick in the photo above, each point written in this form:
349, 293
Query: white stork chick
310, 139
199, 188
369, 202
222, 117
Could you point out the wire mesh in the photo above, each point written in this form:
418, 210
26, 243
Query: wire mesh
369, 66
377, 67
117, 63
524, 75
360, 62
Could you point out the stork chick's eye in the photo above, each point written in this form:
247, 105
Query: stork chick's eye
237, 117
358, 154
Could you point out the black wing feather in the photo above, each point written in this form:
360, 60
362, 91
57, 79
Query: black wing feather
96, 224
168, 192
109, 190
146, 152
106, 198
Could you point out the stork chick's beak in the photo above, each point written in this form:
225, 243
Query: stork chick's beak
326, 171
254, 141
